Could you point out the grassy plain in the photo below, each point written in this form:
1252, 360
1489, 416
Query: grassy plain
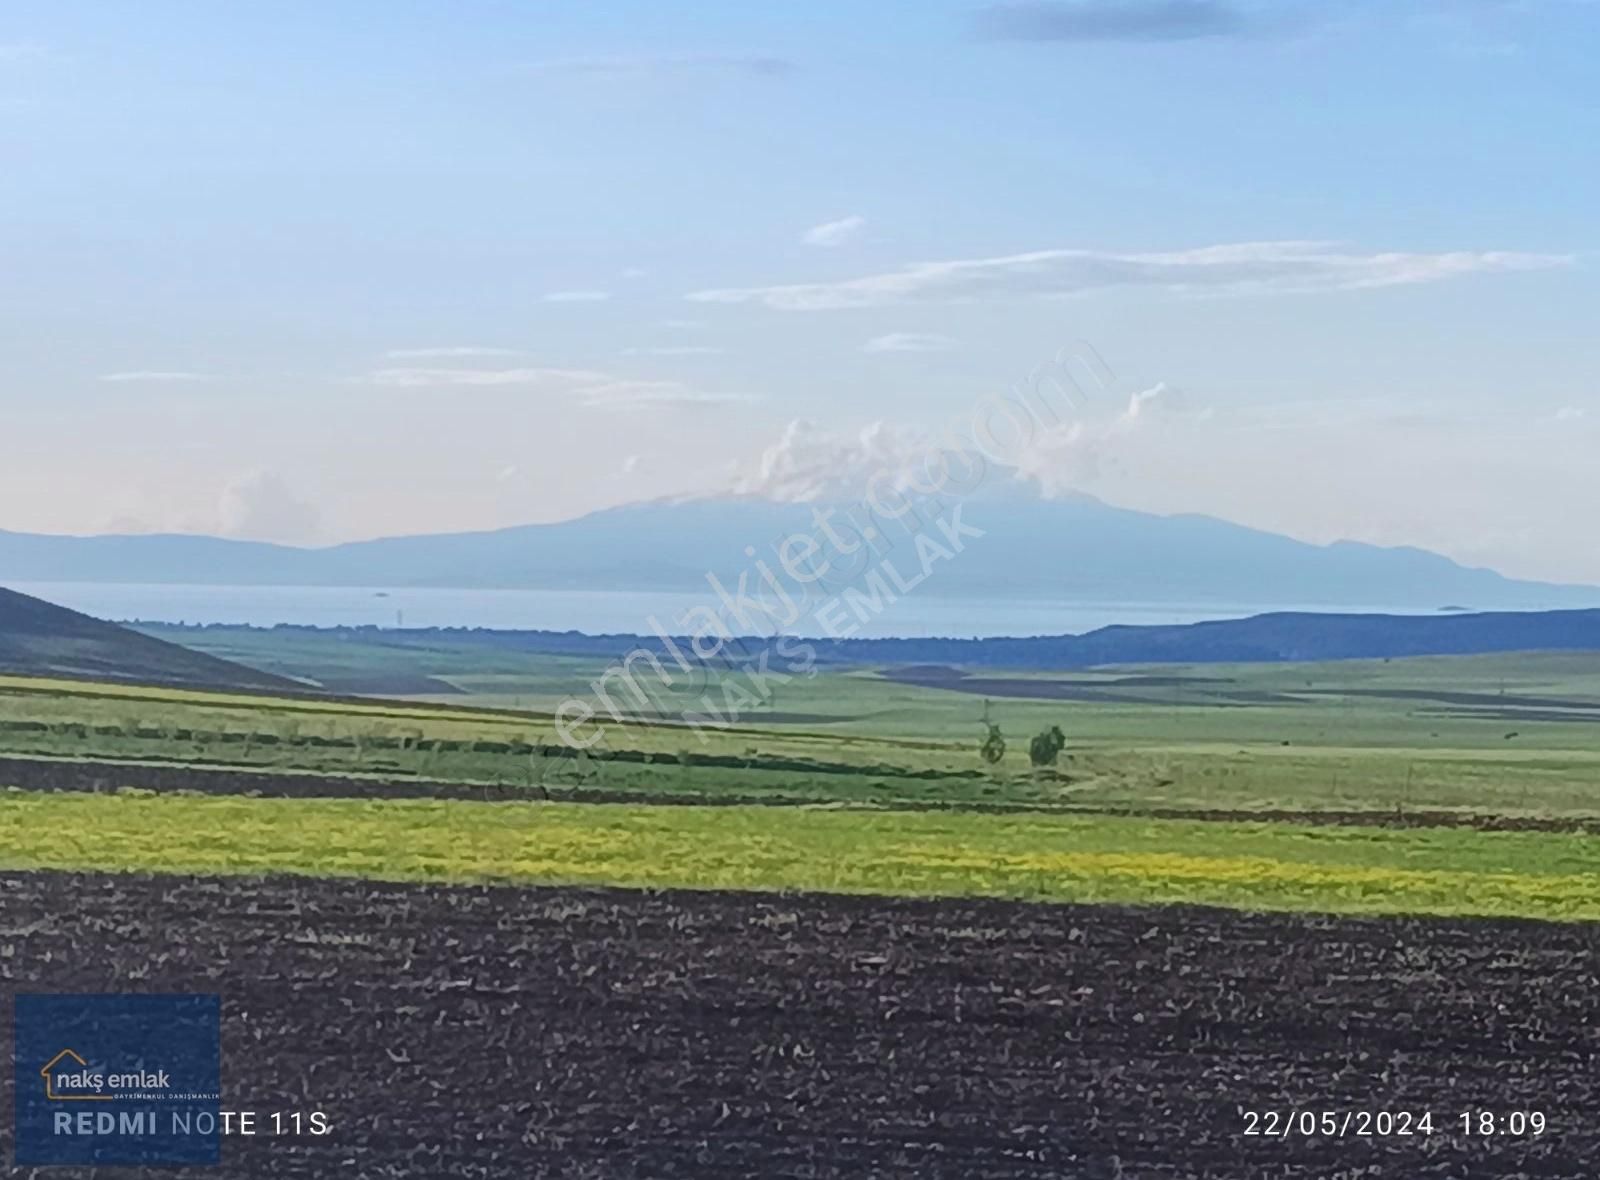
851, 748
1032, 857
1503, 734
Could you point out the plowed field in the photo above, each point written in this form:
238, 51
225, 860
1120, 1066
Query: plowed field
500, 1032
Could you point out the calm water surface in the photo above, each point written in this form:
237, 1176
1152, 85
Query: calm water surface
593, 612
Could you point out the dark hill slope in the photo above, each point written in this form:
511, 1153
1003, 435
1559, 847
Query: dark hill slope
1269, 638
38, 638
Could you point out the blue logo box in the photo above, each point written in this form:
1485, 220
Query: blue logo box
118, 1079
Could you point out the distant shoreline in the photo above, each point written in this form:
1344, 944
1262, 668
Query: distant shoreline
635, 612
1275, 637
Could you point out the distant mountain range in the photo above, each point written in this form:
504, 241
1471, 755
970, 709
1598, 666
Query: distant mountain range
1071, 549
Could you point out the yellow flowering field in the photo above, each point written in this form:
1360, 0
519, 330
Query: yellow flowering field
1038, 857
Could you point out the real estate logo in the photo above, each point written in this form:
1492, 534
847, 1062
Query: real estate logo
117, 1079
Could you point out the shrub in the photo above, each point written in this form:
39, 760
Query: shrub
1046, 746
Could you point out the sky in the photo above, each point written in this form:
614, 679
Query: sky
314, 272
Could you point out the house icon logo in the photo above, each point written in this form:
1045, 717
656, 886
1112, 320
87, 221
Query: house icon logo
81, 1076
120, 1079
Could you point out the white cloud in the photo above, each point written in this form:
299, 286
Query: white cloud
661, 393
1240, 268
811, 463
549, 379
1157, 399
676, 350
909, 342
835, 233
157, 375
586, 387
260, 506
459, 351
1070, 456
577, 296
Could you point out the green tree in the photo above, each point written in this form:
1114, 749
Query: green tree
1046, 746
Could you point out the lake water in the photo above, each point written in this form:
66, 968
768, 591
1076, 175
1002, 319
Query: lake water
593, 612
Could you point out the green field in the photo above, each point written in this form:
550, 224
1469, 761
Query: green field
1501, 734
1035, 857
854, 755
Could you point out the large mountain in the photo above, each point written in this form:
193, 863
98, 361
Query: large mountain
1072, 549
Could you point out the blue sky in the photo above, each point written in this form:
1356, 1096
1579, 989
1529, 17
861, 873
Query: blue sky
320, 271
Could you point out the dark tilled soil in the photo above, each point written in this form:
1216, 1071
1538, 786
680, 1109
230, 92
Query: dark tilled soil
1489, 714
50, 774
23, 772
494, 1032
1492, 700
1099, 689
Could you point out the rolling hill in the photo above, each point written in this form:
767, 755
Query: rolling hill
38, 638
1281, 637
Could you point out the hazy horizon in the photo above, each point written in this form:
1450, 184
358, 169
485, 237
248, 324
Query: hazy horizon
849, 503
319, 274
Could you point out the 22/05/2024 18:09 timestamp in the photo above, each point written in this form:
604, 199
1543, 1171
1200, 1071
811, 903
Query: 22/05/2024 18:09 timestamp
1285, 1124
